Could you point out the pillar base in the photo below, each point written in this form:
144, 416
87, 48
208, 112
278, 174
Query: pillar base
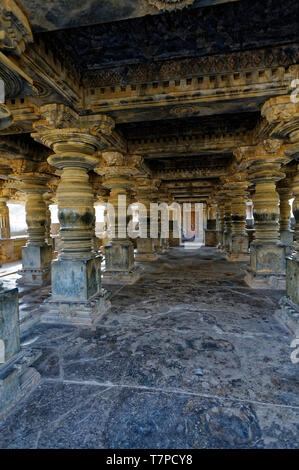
145, 250
292, 275
265, 281
159, 247
245, 257
119, 256
118, 277
17, 379
288, 315
174, 242
146, 257
227, 242
75, 280
267, 266
36, 261
210, 237
287, 237
85, 313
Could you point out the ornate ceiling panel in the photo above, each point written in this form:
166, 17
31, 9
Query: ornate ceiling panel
198, 32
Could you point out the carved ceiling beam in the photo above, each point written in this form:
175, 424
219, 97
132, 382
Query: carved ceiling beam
189, 103
197, 173
195, 144
252, 67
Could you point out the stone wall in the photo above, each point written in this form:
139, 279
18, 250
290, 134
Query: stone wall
11, 249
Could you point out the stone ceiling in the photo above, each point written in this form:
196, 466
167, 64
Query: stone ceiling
184, 85
223, 123
51, 15
222, 29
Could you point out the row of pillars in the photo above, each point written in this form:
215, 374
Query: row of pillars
77, 295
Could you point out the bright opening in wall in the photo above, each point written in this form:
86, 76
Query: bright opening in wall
291, 204
17, 218
54, 213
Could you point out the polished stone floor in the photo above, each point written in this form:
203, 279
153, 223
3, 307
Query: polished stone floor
188, 357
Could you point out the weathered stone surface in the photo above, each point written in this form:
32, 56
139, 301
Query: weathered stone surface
267, 265
188, 357
11, 249
77, 296
17, 377
36, 261
119, 256
76, 280
9, 321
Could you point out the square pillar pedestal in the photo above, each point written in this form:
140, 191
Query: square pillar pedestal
210, 237
146, 250
119, 264
239, 248
17, 376
267, 266
36, 262
227, 242
77, 297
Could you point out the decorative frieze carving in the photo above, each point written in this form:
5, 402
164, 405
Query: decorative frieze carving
176, 69
173, 174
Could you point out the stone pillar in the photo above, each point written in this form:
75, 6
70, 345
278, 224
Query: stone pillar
227, 234
158, 242
77, 296
220, 225
103, 197
285, 194
282, 113
165, 199
289, 312
17, 376
36, 255
4, 218
267, 254
239, 238
117, 170
205, 215
145, 245
293, 260
49, 240
174, 226
210, 231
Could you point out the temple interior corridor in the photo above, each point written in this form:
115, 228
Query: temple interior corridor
188, 357
149, 224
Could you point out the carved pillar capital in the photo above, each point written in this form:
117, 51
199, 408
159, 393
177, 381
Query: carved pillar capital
283, 114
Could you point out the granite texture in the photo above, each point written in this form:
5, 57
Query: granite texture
188, 357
